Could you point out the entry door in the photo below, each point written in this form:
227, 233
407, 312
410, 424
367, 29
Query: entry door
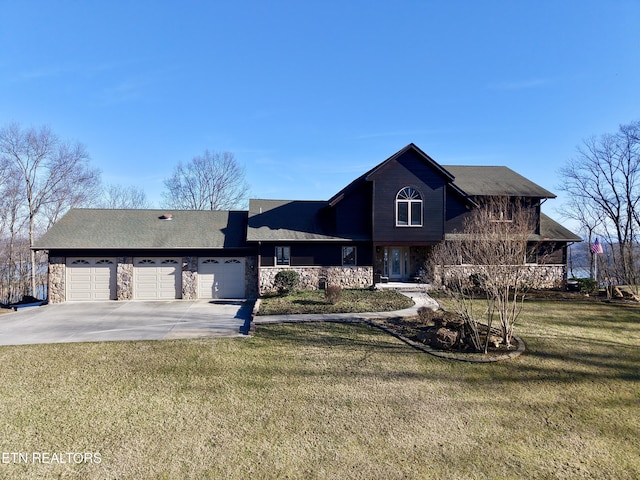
397, 263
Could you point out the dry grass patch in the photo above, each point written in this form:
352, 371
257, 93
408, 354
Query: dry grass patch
333, 401
350, 301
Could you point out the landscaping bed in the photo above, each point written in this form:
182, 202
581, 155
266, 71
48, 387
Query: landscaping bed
349, 301
443, 331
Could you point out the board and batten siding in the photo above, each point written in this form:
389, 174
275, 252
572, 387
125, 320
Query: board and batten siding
408, 170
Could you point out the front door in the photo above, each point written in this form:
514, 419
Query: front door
396, 259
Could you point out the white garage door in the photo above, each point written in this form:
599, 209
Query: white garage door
91, 278
157, 278
221, 277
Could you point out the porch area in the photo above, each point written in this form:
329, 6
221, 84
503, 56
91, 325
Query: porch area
400, 265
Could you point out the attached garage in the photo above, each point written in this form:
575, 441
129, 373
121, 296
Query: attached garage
128, 254
91, 278
220, 277
157, 278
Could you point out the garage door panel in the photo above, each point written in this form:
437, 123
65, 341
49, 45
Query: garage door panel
221, 278
91, 278
157, 278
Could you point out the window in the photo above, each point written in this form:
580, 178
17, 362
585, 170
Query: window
348, 256
283, 255
408, 208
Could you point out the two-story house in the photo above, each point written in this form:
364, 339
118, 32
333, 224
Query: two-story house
380, 227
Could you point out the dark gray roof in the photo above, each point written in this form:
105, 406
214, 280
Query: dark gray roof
144, 229
553, 231
381, 166
550, 231
485, 180
292, 220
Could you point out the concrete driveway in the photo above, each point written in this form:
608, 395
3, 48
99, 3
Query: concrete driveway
135, 320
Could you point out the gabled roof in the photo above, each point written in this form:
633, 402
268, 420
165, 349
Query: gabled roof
368, 176
495, 181
90, 228
291, 220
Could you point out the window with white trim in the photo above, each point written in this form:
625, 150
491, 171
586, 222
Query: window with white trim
348, 256
408, 208
283, 255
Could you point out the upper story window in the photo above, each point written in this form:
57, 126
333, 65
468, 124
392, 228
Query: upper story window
283, 256
408, 208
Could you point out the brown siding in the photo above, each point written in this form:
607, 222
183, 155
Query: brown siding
315, 254
408, 170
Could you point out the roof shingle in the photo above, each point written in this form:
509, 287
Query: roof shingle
90, 228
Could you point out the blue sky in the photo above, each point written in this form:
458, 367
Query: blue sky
311, 94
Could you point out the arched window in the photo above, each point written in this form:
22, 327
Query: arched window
408, 208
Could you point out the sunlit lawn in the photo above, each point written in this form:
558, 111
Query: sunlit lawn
333, 401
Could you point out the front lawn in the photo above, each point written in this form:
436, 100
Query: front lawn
328, 400
351, 301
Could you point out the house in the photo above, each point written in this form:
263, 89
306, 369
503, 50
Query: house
382, 226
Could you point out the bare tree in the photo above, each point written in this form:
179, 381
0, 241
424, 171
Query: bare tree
489, 258
53, 174
213, 181
118, 196
604, 180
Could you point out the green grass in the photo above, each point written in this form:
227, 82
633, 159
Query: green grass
351, 301
334, 401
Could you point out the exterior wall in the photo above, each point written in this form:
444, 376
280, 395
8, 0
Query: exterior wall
57, 279
315, 254
540, 276
124, 278
189, 277
251, 277
311, 277
408, 170
353, 212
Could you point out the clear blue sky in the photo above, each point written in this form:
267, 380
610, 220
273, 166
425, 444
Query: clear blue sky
311, 94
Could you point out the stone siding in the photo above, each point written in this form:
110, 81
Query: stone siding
540, 276
311, 278
57, 279
189, 278
124, 278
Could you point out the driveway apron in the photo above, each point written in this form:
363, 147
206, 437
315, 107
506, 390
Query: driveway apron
133, 320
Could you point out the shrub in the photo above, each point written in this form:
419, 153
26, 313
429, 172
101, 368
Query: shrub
286, 281
426, 314
587, 285
332, 293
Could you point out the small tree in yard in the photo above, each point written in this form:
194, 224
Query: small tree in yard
487, 258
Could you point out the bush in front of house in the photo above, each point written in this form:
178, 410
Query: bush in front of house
587, 285
332, 293
286, 281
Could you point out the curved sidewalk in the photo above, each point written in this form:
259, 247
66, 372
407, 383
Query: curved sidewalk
419, 296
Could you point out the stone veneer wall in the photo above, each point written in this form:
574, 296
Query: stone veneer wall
311, 277
124, 278
189, 278
541, 276
57, 278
